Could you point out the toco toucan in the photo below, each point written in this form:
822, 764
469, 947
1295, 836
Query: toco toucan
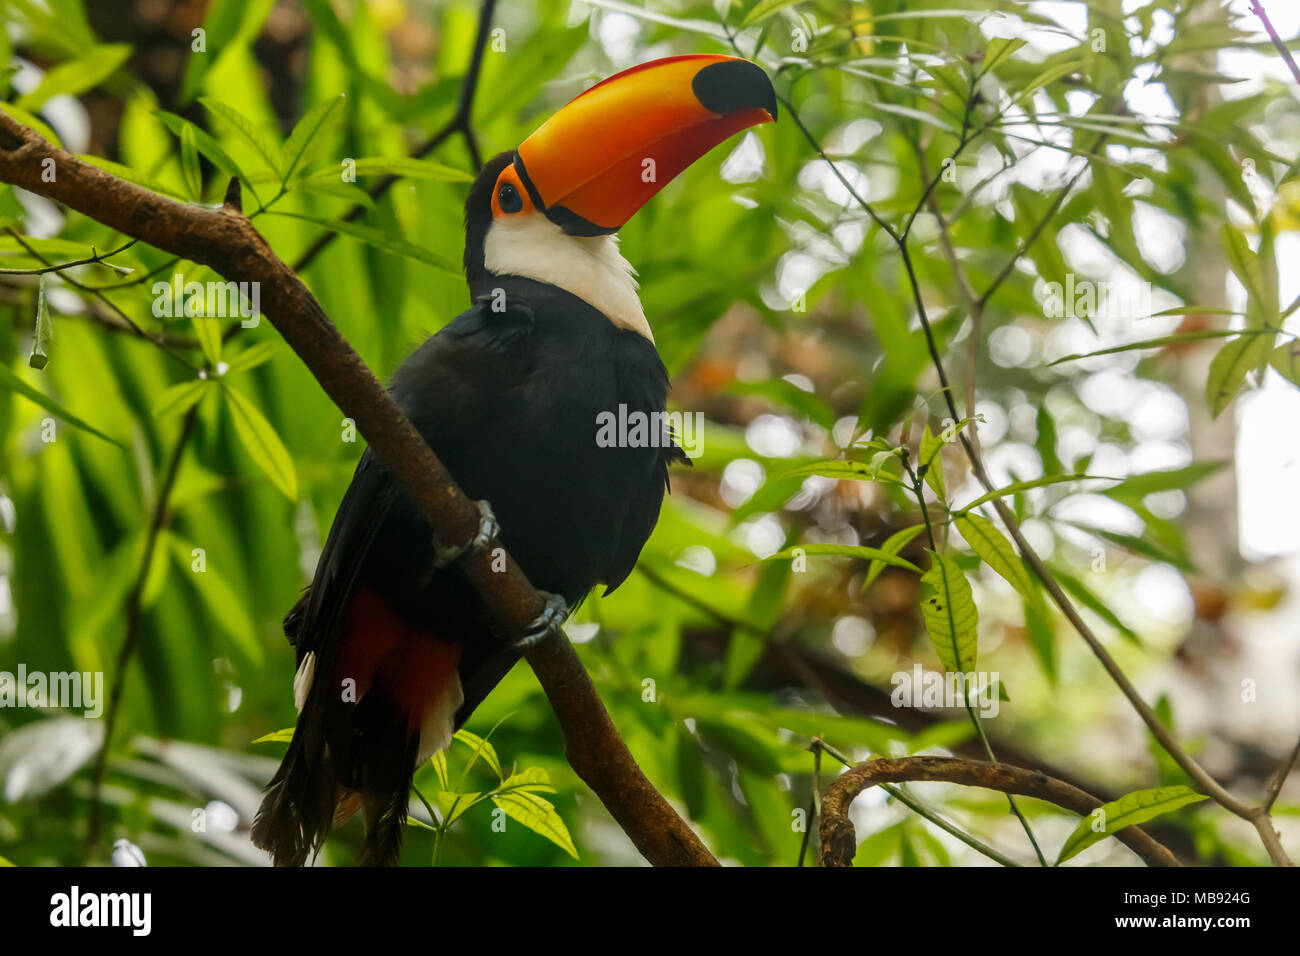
395, 648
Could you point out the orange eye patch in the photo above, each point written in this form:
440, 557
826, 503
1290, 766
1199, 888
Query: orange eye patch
509, 197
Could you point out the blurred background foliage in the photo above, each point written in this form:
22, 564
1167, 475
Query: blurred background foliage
784, 315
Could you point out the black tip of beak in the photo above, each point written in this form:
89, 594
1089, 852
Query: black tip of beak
734, 85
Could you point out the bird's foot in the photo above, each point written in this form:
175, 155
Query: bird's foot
546, 624
488, 529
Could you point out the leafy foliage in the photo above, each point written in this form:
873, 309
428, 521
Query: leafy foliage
994, 139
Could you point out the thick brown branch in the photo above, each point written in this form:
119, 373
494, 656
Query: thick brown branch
227, 242
839, 839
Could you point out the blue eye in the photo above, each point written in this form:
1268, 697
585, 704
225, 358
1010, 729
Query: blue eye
509, 199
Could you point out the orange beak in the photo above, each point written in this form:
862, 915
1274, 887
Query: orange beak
593, 164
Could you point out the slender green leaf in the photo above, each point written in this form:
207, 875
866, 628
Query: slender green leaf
406, 166
308, 137
996, 551
482, 748
245, 129
1229, 368
10, 379
893, 544
381, 240
951, 618
1018, 486
258, 436
847, 551
930, 463
762, 10
1129, 810
179, 398
537, 814
77, 76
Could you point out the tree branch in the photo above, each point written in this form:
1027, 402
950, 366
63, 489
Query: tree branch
227, 242
839, 839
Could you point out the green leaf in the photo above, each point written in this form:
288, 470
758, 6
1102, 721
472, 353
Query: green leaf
1173, 479
405, 166
203, 140
252, 357
307, 137
1245, 266
846, 551
11, 210
1041, 636
1160, 342
1286, 361
1229, 368
10, 378
789, 396
1084, 595
996, 551
481, 748
262, 443
190, 163
276, 737
245, 129
43, 335
847, 470
895, 543
951, 618
179, 398
930, 462
439, 763
1019, 486
537, 814
207, 330
1129, 810
349, 193
35, 122
131, 175
380, 240
999, 49
762, 10
77, 76
454, 805
224, 604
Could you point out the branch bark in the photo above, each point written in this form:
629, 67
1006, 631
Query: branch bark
224, 240
839, 839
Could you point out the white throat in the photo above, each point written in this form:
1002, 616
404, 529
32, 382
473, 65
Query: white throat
591, 267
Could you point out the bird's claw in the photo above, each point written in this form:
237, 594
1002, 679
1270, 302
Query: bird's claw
547, 623
488, 529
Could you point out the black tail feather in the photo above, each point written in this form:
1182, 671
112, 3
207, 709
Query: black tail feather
298, 809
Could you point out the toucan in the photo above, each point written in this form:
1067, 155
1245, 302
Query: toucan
394, 647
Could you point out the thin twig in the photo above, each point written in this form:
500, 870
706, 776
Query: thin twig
130, 323
96, 258
839, 839
1257, 8
937, 819
1275, 786
134, 619
918, 489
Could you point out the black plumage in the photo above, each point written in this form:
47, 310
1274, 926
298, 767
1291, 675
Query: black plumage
508, 396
